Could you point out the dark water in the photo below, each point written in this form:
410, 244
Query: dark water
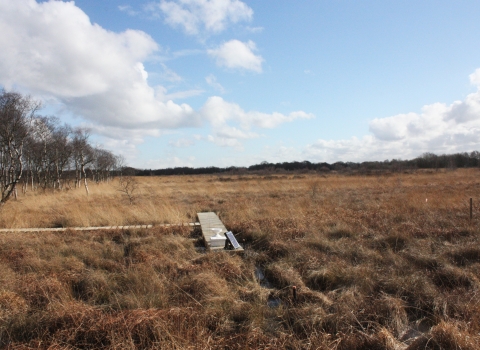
260, 277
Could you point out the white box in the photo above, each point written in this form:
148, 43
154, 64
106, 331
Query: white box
218, 240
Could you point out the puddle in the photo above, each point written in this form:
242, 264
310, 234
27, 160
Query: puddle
260, 277
272, 301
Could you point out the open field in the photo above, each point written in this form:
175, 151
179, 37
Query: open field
379, 262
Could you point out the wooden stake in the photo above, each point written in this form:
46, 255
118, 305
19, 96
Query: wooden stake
294, 289
471, 208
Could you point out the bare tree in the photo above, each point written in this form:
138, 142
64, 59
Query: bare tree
120, 164
43, 131
16, 115
103, 164
128, 184
62, 152
83, 154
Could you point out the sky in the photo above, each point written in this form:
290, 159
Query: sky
197, 83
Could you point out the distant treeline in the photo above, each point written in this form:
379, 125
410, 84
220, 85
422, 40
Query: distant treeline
425, 161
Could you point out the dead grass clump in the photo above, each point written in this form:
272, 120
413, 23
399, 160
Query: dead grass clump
8, 277
396, 242
339, 233
71, 264
203, 286
241, 313
305, 322
253, 293
286, 228
39, 291
282, 276
13, 257
157, 231
342, 314
422, 261
11, 305
389, 312
446, 335
453, 235
229, 267
466, 256
331, 278
450, 278
363, 341
277, 249
92, 287
139, 287
95, 256
418, 292
321, 245
312, 297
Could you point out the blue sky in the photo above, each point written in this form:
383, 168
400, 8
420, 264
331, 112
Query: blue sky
227, 82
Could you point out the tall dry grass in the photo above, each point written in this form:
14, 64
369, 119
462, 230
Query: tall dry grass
379, 262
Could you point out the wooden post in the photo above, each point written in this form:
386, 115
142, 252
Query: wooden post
471, 209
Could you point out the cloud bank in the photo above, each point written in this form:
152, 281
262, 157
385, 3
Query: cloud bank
439, 128
52, 49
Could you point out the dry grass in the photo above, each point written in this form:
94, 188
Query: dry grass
379, 262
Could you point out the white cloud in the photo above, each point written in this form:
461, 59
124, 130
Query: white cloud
237, 55
439, 128
475, 77
124, 142
128, 10
254, 29
162, 94
220, 113
212, 81
195, 16
52, 49
182, 143
169, 75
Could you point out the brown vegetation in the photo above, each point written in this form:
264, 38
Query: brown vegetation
379, 262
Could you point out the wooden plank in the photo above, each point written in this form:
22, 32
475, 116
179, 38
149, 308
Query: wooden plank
62, 229
211, 225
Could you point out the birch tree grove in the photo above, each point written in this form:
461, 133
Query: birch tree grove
16, 115
38, 153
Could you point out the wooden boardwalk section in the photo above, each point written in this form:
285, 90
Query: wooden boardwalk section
95, 228
211, 225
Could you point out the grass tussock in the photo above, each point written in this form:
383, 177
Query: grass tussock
378, 262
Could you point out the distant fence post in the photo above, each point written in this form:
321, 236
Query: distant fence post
471, 209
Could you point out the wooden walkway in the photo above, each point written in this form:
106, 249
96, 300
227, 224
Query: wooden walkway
211, 225
95, 228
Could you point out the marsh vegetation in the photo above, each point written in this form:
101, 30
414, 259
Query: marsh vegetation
379, 262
